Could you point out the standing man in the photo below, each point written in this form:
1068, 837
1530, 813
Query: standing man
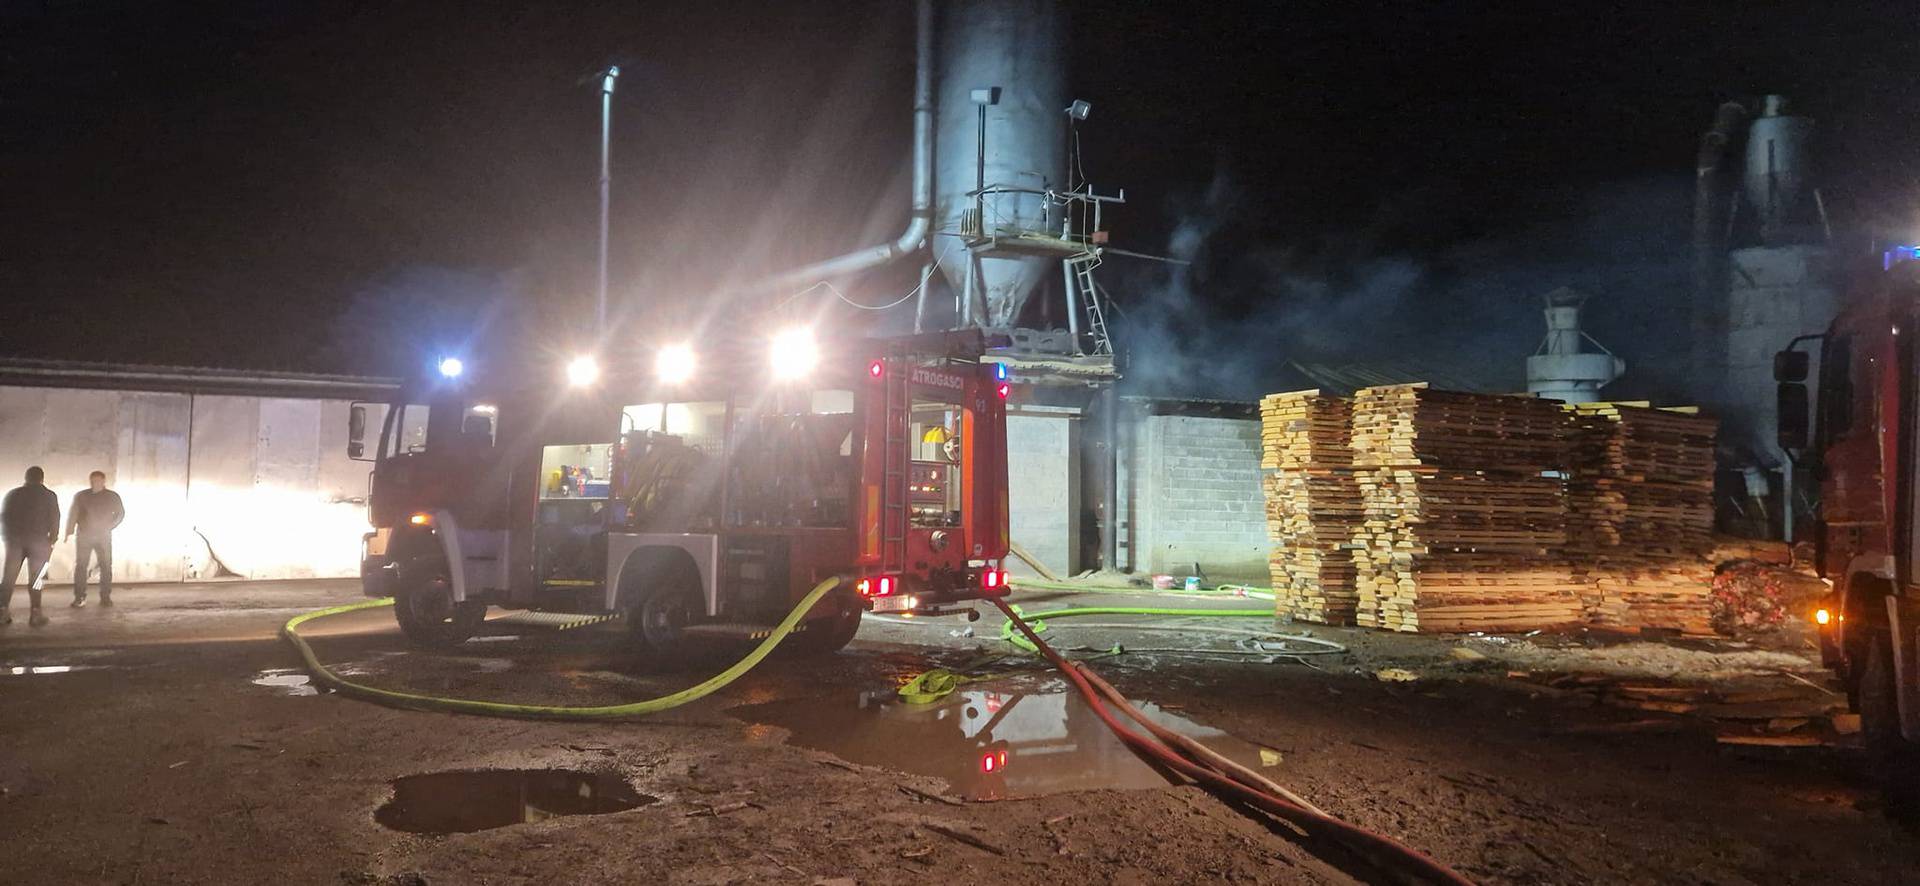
96, 512
30, 521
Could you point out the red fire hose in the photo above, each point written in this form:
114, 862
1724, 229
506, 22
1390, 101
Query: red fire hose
1226, 779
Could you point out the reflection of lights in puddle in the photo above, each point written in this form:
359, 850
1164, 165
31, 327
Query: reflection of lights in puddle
293, 681
41, 670
493, 665
987, 745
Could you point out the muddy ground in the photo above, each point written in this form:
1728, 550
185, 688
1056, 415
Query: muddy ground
154, 757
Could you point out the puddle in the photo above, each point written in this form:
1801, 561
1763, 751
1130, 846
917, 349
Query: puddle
987, 745
23, 670
476, 800
292, 680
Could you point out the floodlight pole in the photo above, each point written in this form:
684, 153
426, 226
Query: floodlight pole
606, 187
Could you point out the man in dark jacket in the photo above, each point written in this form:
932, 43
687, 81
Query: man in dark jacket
29, 521
96, 511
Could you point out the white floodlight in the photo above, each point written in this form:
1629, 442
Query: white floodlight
451, 367
674, 364
583, 371
794, 354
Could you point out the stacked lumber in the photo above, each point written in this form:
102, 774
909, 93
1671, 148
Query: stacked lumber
1413, 425
1305, 430
1640, 497
1312, 505
1460, 524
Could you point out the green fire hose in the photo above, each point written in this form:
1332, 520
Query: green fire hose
415, 702
1039, 624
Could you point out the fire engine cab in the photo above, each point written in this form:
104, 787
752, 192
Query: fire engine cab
700, 491
1862, 445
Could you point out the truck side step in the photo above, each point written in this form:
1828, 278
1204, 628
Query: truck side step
552, 621
736, 630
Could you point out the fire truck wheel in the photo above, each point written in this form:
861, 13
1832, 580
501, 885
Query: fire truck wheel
1896, 761
829, 634
429, 616
658, 617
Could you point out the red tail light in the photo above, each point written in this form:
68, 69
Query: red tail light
879, 586
1005, 389
989, 762
993, 579
876, 369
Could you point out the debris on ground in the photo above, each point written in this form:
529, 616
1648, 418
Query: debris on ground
1749, 597
1395, 675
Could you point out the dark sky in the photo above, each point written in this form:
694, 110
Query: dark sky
272, 184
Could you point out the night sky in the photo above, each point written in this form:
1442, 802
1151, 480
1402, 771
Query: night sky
344, 186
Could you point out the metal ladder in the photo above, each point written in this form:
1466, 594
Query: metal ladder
1083, 265
895, 461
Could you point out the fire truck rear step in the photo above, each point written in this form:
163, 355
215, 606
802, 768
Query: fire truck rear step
736, 630
553, 621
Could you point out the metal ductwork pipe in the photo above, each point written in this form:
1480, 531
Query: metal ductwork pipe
920, 223
1709, 219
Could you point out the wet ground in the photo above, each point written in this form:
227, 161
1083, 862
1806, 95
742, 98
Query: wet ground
170, 740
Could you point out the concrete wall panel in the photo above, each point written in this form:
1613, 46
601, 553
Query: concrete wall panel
1043, 489
150, 473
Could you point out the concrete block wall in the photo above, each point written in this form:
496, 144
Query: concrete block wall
1194, 485
261, 484
1043, 487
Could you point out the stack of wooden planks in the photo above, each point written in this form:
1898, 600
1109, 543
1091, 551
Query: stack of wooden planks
1640, 499
1313, 505
1463, 511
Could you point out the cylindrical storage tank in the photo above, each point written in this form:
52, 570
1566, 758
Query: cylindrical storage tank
1572, 378
1018, 47
1777, 157
1561, 371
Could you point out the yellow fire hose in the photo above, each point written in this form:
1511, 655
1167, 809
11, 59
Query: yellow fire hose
415, 702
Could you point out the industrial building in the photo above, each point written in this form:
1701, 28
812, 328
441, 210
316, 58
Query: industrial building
201, 457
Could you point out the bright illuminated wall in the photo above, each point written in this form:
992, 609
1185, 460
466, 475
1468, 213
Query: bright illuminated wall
261, 484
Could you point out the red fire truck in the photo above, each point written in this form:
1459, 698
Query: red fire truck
1862, 447
702, 491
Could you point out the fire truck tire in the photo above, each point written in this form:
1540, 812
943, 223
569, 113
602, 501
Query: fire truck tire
1896, 761
829, 634
427, 613
659, 612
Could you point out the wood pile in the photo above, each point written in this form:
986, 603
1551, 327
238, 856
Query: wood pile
1640, 499
1413, 509
1313, 505
1460, 526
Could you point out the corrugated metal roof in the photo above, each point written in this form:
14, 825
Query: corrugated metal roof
1345, 378
191, 379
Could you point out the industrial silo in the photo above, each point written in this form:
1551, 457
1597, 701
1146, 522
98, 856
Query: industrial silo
1776, 282
1001, 128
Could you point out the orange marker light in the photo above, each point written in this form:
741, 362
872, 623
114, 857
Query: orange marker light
1821, 616
420, 519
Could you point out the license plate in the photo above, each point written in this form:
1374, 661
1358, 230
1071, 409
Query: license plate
898, 603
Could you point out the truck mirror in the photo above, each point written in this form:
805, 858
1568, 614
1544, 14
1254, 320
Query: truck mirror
357, 431
1794, 425
1790, 366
